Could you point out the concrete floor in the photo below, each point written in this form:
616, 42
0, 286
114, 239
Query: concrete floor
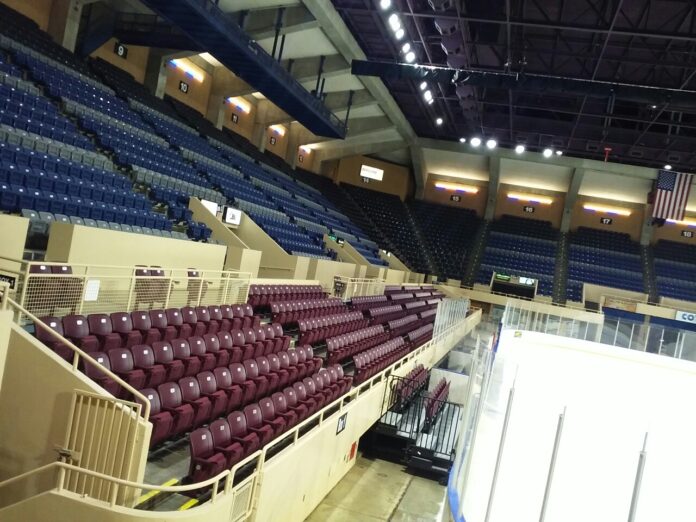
379, 490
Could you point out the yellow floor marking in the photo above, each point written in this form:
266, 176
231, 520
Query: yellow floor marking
151, 494
189, 504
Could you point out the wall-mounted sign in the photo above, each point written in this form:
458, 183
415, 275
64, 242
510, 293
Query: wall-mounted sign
606, 221
235, 118
273, 140
10, 280
529, 209
120, 50
341, 423
687, 233
686, 317
371, 172
183, 87
456, 198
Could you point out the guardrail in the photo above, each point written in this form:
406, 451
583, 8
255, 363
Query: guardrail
246, 490
46, 288
348, 287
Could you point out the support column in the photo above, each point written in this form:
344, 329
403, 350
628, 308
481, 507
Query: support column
64, 23
571, 198
493, 184
419, 173
156, 73
646, 232
260, 135
294, 133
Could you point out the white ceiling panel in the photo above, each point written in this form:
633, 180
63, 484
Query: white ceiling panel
368, 111
303, 44
457, 165
342, 82
616, 187
535, 175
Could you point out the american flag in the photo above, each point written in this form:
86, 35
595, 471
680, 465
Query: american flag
671, 194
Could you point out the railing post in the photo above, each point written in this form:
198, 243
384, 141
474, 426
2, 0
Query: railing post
501, 447
552, 465
638, 481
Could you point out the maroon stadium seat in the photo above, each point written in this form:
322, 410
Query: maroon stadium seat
172, 402
222, 441
162, 421
191, 394
206, 461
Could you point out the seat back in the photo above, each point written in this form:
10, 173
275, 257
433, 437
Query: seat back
190, 390
207, 382
143, 356
251, 368
238, 373
158, 318
181, 348
223, 377
189, 316
153, 398
201, 443
290, 396
214, 313
237, 422
300, 390
249, 335
263, 365
279, 403
224, 340
174, 317
75, 326
121, 360
212, 343
238, 338
220, 431
163, 352
54, 324
267, 409
197, 345
121, 322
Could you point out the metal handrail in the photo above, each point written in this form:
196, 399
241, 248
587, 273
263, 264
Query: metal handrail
78, 353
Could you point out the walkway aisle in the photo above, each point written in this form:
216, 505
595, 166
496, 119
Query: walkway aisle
380, 490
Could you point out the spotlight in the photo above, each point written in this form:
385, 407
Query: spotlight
668, 167
462, 140
519, 149
410, 56
406, 48
439, 121
491, 144
399, 34
547, 153
431, 101
428, 96
475, 142
423, 86
653, 106
559, 153
385, 4
394, 22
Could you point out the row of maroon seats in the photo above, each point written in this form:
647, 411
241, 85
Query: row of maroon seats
393, 289
383, 314
402, 325
436, 401
416, 306
320, 328
374, 360
228, 441
122, 329
348, 344
263, 295
289, 312
420, 336
410, 385
179, 406
368, 301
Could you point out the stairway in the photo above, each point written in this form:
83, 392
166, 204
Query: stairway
560, 277
647, 259
476, 255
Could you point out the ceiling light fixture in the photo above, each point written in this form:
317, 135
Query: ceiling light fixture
475, 142
462, 140
428, 95
385, 4
399, 34
456, 187
559, 153
410, 56
519, 149
607, 210
439, 121
423, 86
530, 198
406, 48
668, 167
547, 153
240, 103
491, 144
684, 222
394, 22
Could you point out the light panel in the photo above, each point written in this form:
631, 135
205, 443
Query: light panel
686, 222
239, 103
530, 198
605, 209
278, 129
188, 68
456, 187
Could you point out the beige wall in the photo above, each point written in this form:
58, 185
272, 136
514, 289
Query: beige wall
512, 207
245, 123
86, 245
198, 93
397, 179
13, 236
281, 142
628, 224
135, 63
476, 202
674, 233
37, 10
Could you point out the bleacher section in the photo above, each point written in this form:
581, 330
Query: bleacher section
389, 214
603, 258
522, 247
675, 270
234, 382
448, 232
